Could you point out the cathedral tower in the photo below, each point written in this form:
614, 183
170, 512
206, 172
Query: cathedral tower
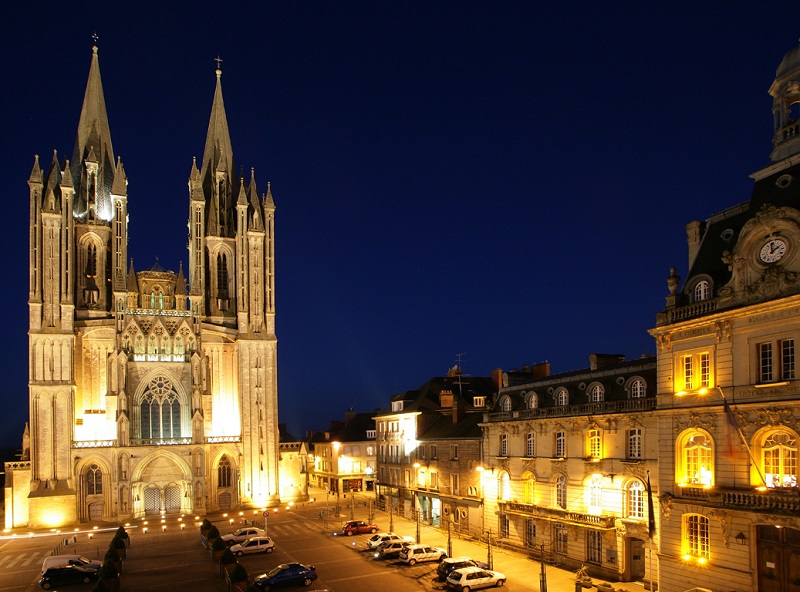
146, 396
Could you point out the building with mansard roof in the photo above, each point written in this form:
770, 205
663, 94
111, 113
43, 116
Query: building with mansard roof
152, 391
565, 465
728, 388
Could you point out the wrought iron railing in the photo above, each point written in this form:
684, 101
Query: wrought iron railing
604, 407
597, 521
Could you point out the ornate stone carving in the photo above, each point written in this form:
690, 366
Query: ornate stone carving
665, 503
723, 330
705, 421
723, 517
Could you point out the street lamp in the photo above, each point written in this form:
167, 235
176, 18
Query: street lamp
416, 498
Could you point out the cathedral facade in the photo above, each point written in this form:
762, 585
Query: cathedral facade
150, 392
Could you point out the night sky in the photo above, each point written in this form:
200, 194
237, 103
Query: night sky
505, 180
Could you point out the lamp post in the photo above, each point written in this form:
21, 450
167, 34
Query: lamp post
416, 497
449, 542
391, 516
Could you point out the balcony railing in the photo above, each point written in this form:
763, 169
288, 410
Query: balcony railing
555, 514
604, 407
681, 313
220, 439
786, 500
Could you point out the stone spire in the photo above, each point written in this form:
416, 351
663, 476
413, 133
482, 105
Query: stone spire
94, 137
218, 153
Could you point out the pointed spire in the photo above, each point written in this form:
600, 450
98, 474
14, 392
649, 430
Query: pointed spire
52, 189
180, 287
133, 283
66, 178
120, 186
93, 143
36, 172
242, 200
218, 151
268, 201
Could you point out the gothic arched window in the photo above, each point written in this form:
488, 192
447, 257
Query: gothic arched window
224, 472
94, 480
160, 410
222, 275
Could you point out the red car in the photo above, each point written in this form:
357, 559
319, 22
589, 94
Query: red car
358, 527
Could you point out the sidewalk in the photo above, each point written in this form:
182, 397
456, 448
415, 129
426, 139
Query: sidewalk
523, 572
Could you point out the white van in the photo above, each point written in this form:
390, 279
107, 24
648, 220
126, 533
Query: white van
62, 560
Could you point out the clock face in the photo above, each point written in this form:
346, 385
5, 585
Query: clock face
773, 250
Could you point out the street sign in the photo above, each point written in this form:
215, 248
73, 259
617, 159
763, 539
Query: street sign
265, 514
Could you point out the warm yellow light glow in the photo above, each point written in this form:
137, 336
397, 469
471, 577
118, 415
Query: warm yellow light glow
52, 518
95, 528
183, 525
701, 560
680, 393
687, 557
702, 391
241, 513
336, 445
225, 515
144, 530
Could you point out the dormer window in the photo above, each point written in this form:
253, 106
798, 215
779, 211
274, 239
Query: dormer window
397, 405
370, 434
478, 401
702, 291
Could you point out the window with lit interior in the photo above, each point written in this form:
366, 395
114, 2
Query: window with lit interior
594, 493
594, 546
594, 444
533, 400
224, 473
505, 403
560, 450
778, 452
695, 539
504, 486
529, 493
694, 372
530, 445
160, 410
503, 445
695, 459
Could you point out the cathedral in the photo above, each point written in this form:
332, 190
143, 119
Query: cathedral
150, 391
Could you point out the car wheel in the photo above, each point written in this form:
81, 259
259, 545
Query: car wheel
500, 583
349, 533
239, 553
46, 585
412, 561
270, 549
465, 589
307, 582
374, 530
87, 579
442, 556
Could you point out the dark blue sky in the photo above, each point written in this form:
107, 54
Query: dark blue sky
507, 180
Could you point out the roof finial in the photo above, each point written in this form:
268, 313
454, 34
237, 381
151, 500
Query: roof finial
219, 65
95, 38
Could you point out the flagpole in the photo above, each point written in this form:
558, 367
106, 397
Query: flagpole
735, 424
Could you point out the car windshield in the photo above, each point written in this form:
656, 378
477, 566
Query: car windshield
83, 559
276, 570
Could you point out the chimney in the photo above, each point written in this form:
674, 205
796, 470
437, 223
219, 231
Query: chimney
597, 361
694, 234
446, 399
459, 409
349, 415
497, 378
540, 370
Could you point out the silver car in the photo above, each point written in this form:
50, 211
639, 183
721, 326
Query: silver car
254, 545
474, 578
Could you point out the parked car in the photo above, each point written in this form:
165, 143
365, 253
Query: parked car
67, 574
390, 549
416, 553
242, 535
375, 540
450, 563
474, 578
286, 574
62, 560
358, 527
259, 544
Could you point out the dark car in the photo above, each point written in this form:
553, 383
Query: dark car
68, 574
286, 574
358, 527
447, 565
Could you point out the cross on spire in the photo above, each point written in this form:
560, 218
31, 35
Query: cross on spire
95, 37
219, 61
